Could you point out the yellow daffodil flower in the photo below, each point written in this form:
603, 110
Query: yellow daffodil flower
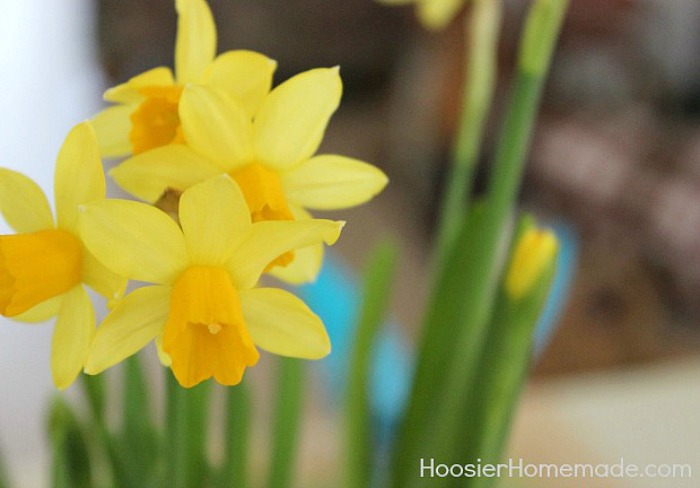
433, 14
43, 268
146, 114
204, 309
270, 157
534, 251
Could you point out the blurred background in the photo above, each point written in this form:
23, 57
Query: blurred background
615, 165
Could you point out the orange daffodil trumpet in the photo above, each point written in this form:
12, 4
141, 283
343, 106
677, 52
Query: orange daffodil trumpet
146, 112
433, 14
270, 156
203, 308
44, 267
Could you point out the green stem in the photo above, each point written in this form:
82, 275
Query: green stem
139, 433
444, 313
287, 415
110, 454
190, 457
238, 409
500, 381
136, 403
457, 223
504, 185
72, 466
172, 427
482, 32
433, 429
463, 365
376, 290
95, 392
4, 478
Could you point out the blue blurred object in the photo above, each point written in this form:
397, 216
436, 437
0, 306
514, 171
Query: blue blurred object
564, 277
335, 297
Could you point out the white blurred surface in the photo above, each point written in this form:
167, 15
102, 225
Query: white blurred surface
49, 81
647, 415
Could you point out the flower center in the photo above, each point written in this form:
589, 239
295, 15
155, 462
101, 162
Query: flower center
263, 192
206, 334
37, 266
156, 122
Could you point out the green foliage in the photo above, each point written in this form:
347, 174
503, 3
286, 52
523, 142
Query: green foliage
376, 291
71, 466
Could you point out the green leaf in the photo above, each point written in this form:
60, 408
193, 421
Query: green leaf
71, 467
379, 278
4, 478
238, 411
503, 370
288, 406
95, 393
188, 465
139, 435
461, 304
447, 316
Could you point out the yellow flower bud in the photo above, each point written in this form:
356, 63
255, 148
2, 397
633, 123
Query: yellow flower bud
533, 253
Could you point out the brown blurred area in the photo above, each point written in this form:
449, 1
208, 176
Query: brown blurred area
616, 152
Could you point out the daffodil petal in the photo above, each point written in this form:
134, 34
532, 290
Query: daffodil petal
134, 240
216, 126
79, 175
23, 203
331, 182
246, 76
436, 14
112, 127
307, 261
214, 218
104, 281
129, 92
148, 175
195, 46
72, 336
282, 324
304, 268
137, 320
163, 356
270, 239
41, 312
292, 119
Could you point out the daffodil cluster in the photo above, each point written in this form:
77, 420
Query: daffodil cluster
241, 157
218, 115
